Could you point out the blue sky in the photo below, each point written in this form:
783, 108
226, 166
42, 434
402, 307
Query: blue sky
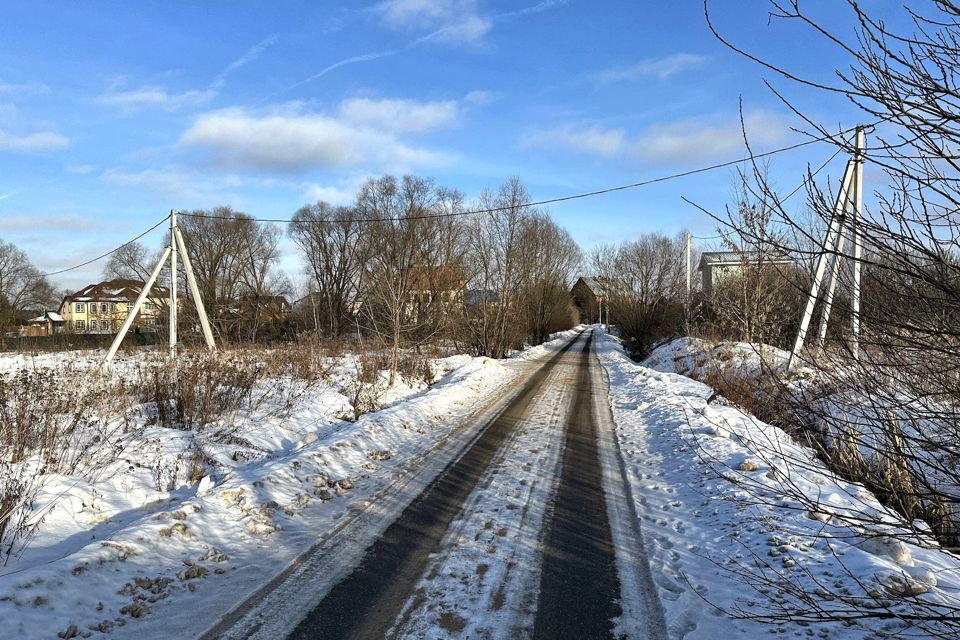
112, 113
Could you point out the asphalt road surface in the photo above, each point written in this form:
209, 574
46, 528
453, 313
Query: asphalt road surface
512, 539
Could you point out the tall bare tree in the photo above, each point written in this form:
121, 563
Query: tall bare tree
331, 240
233, 257
22, 286
402, 240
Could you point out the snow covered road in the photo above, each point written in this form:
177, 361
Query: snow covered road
513, 538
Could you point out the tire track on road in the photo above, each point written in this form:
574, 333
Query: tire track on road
367, 602
579, 586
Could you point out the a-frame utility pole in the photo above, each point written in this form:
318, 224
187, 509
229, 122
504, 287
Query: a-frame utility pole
845, 218
177, 247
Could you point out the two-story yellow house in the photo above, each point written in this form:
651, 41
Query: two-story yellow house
103, 307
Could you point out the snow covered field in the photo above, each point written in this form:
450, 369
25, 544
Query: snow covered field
132, 548
738, 516
733, 515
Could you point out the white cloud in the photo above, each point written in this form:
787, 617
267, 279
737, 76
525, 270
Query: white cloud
652, 68
154, 97
49, 223
23, 89
80, 169
593, 140
701, 139
401, 116
333, 195
540, 7
450, 21
480, 98
251, 54
172, 184
290, 139
40, 141
683, 140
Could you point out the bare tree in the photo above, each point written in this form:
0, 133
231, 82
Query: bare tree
646, 287
762, 300
233, 258
888, 416
22, 286
132, 261
549, 259
494, 246
331, 241
402, 240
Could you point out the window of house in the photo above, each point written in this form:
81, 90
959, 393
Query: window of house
93, 325
104, 308
113, 307
78, 307
149, 306
80, 325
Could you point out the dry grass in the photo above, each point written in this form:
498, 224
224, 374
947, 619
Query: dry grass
888, 472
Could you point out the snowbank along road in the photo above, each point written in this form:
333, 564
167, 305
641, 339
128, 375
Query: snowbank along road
527, 533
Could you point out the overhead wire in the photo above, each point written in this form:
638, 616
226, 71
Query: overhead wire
577, 196
104, 255
780, 201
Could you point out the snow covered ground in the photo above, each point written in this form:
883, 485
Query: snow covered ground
134, 549
733, 515
738, 517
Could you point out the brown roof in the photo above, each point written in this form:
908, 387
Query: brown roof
116, 290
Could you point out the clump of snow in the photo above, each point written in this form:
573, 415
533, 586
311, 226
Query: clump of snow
696, 357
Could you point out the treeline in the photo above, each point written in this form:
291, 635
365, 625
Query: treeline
405, 264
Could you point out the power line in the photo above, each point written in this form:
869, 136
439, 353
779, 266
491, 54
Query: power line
588, 194
780, 201
102, 256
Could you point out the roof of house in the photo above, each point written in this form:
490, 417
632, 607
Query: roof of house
51, 315
476, 296
116, 290
266, 299
730, 258
597, 285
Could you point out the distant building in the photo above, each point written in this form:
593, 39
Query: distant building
50, 323
103, 307
717, 266
265, 307
588, 294
441, 287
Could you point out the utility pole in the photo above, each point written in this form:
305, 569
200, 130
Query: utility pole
176, 246
689, 268
857, 242
842, 219
173, 283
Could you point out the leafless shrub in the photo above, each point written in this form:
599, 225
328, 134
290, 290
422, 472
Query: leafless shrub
48, 421
888, 411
